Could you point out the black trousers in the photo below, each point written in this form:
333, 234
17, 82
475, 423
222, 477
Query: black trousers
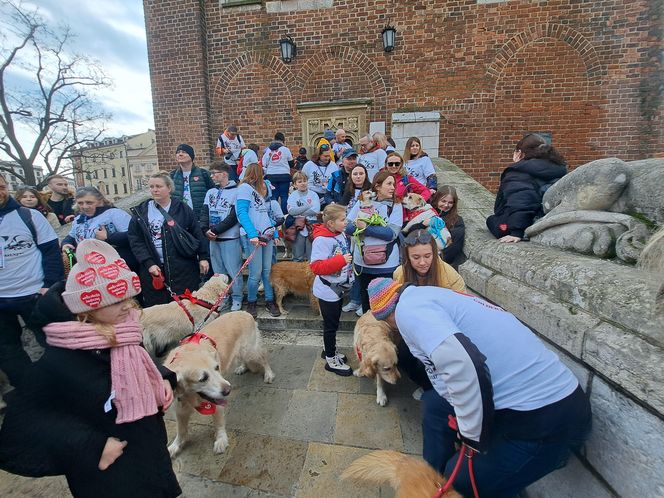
331, 312
365, 278
14, 361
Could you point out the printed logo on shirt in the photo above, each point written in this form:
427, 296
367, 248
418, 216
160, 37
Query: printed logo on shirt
275, 156
17, 244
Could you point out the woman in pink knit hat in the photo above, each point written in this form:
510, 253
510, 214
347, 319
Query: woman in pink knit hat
92, 407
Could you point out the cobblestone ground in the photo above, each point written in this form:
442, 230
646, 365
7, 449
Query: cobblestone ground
291, 438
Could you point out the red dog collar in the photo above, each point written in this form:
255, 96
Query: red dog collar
196, 339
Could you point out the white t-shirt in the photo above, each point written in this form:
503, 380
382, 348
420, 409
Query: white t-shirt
186, 193
234, 146
304, 204
155, 224
325, 248
259, 207
319, 176
220, 201
373, 162
525, 374
21, 272
275, 162
421, 168
114, 219
339, 149
395, 219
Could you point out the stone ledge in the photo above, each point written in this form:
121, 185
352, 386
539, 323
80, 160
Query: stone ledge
292, 5
413, 117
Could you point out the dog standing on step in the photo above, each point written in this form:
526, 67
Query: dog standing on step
201, 364
376, 353
291, 277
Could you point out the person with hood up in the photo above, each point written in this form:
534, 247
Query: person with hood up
220, 225
331, 262
92, 406
277, 163
99, 219
537, 165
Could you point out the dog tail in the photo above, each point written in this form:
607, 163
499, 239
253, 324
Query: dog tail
397, 470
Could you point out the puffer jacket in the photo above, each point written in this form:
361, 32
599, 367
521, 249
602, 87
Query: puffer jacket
519, 198
199, 183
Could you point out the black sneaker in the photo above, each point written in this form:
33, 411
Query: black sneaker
251, 309
272, 308
340, 355
335, 365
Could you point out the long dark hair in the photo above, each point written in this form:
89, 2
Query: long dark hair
452, 216
410, 276
349, 189
533, 146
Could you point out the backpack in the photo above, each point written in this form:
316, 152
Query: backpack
26, 216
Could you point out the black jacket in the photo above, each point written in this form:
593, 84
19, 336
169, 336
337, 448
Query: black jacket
452, 254
56, 423
519, 199
199, 183
180, 273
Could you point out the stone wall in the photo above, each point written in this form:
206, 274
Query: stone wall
599, 316
586, 72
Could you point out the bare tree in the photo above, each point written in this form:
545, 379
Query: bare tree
46, 110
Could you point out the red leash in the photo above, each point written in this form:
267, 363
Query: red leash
465, 451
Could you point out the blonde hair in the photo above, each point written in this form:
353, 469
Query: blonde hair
253, 176
380, 139
106, 330
300, 176
163, 175
333, 212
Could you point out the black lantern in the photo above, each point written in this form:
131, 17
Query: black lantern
287, 48
389, 37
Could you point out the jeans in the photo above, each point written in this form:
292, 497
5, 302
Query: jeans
301, 248
509, 465
331, 312
14, 361
280, 191
226, 257
259, 269
355, 292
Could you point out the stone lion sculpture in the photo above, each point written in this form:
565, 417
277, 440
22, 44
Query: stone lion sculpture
607, 208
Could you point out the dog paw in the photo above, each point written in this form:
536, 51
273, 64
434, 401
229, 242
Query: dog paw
221, 443
381, 399
268, 377
174, 449
357, 373
241, 369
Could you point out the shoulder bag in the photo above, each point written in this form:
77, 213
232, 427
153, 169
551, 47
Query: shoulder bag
185, 243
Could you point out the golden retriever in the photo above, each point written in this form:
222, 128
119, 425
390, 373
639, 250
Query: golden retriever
409, 476
165, 324
291, 277
200, 367
374, 342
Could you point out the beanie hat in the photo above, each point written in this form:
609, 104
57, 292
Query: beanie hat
383, 297
329, 134
99, 278
303, 151
187, 149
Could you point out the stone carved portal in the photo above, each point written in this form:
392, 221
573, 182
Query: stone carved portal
316, 117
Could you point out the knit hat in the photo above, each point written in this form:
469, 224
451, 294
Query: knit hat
186, 148
99, 278
329, 134
383, 297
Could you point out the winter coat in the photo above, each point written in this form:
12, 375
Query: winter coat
406, 184
180, 273
336, 186
519, 198
60, 419
453, 254
199, 183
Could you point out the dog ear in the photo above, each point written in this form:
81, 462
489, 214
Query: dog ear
367, 368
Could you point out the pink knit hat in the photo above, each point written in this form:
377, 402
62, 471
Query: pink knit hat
99, 278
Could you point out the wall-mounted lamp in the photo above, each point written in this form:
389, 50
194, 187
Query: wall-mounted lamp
389, 37
287, 48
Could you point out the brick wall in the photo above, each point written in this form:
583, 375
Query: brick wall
588, 72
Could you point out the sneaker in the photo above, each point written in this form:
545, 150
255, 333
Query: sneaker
272, 308
417, 393
359, 311
341, 356
236, 306
251, 309
351, 306
338, 367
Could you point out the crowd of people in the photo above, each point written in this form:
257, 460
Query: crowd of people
341, 211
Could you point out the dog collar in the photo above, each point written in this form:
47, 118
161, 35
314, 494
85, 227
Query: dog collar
195, 300
358, 352
196, 339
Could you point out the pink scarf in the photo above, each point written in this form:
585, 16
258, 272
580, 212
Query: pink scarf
138, 386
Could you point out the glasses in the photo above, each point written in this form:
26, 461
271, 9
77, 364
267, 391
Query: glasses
324, 147
393, 163
418, 237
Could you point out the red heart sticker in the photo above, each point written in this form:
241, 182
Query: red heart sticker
118, 288
86, 277
91, 299
95, 258
136, 283
195, 178
503, 227
121, 263
171, 223
109, 272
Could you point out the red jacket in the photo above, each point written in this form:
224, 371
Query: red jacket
327, 266
407, 184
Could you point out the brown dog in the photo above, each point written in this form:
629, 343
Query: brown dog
409, 476
290, 277
374, 342
200, 366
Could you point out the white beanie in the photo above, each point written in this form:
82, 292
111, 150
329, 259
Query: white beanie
99, 278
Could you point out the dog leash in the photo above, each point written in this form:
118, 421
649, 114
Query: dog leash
465, 451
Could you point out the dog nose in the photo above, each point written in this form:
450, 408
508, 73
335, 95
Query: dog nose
226, 391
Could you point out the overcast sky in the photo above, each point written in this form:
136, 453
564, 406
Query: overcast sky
113, 32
